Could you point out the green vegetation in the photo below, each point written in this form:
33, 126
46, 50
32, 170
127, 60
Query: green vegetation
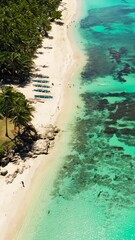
16, 114
6, 143
23, 24
14, 106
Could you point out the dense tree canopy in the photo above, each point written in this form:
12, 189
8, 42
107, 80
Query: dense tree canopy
23, 24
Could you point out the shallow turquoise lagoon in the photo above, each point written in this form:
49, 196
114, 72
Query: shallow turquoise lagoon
93, 197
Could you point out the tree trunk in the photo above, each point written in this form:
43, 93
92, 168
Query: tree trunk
6, 134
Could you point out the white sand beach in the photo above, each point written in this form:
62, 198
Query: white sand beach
61, 62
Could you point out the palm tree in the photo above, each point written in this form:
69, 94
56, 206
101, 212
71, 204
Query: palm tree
15, 106
6, 99
12, 61
21, 112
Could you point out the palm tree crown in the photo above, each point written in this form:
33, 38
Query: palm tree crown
15, 106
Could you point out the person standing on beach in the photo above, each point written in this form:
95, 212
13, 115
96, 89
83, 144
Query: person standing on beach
22, 182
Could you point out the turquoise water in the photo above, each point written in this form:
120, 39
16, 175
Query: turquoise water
93, 197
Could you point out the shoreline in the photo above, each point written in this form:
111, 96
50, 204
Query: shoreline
13, 210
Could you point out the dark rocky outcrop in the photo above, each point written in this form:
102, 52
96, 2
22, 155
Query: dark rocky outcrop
4, 161
3, 172
18, 157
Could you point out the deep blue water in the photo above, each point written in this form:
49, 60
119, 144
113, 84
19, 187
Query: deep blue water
93, 197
